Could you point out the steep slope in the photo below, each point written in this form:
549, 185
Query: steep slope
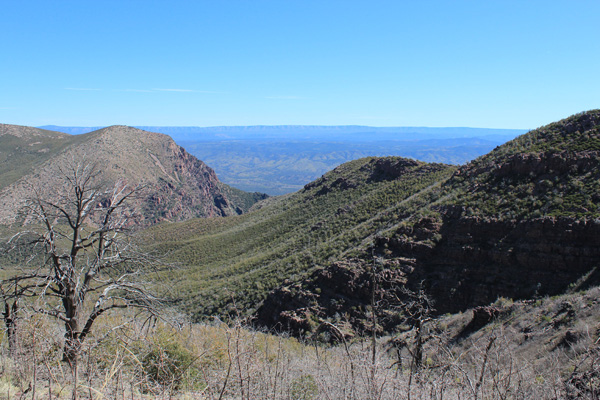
551, 171
520, 222
228, 265
177, 185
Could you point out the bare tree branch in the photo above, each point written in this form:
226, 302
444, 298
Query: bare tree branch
78, 251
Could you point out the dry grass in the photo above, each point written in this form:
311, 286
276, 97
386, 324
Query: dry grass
534, 350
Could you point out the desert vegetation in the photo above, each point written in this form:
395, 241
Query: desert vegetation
243, 257
550, 171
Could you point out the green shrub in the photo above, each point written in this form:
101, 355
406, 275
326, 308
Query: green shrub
304, 388
169, 363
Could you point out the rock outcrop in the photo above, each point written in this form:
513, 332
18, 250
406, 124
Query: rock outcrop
462, 262
345, 290
475, 261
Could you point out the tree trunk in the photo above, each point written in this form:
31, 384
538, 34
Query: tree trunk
71, 356
10, 317
419, 346
72, 344
72, 341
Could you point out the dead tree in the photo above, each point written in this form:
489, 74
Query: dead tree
416, 309
81, 263
10, 313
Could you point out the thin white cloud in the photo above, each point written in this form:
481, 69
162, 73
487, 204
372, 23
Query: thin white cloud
174, 90
284, 97
136, 90
85, 89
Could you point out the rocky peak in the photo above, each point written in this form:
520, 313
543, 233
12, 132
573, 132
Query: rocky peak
389, 168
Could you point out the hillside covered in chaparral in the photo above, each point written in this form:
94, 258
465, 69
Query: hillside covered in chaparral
385, 278
526, 209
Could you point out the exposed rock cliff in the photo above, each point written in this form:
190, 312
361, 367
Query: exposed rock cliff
461, 262
474, 261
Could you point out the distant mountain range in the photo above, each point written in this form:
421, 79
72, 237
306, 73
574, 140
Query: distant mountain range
282, 159
310, 132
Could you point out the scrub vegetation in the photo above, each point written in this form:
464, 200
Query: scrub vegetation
543, 349
232, 263
202, 342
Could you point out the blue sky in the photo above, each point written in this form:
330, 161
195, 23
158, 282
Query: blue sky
493, 63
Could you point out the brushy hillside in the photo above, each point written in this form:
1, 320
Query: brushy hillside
22, 149
542, 349
401, 279
517, 222
228, 265
552, 171
177, 186
520, 222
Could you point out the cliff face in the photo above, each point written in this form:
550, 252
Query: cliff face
186, 188
461, 262
178, 185
475, 260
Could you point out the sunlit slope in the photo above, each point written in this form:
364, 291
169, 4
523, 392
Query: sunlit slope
177, 186
23, 148
550, 171
233, 262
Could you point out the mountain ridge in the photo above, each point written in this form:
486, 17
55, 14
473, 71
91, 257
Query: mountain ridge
275, 131
484, 237
282, 159
178, 185
419, 225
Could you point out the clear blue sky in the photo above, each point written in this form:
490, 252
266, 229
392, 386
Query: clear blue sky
478, 63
